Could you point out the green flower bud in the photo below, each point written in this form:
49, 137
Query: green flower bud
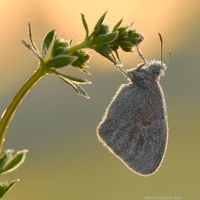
60, 47
82, 58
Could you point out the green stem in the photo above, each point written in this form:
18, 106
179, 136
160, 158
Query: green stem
82, 45
9, 112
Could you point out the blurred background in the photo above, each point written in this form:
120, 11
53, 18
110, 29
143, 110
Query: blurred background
58, 127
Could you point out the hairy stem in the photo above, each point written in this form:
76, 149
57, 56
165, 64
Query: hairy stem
9, 112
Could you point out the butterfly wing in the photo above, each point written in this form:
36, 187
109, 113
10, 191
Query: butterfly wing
134, 127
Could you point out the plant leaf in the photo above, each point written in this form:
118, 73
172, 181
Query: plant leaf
117, 25
82, 70
98, 24
60, 46
47, 42
77, 80
30, 37
30, 47
105, 39
126, 46
85, 25
100, 21
76, 87
5, 186
72, 78
61, 61
14, 162
3, 158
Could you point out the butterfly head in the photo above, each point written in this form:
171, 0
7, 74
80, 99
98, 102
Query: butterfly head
151, 71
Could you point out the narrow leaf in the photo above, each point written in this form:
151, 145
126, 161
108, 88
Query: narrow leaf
122, 30
117, 25
117, 55
105, 39
27, 44
76, 87
98, 24
30, 47
5, 186
82, 70
106, 51
85, 24
71, 78
14, 162
82, 91
77, 80
103, 49
3, 158
126, 46
47, 42
100, 21
61, 61
70, 83
30, 36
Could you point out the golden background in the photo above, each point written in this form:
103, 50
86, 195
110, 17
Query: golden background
65, 159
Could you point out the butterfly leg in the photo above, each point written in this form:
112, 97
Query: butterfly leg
142, 57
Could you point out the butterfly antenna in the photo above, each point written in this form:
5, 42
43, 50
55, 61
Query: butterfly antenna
169, 56
161, 48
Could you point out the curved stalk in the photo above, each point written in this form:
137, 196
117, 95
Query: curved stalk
10, 111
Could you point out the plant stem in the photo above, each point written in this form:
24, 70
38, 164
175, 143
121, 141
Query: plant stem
9, 112
82, 45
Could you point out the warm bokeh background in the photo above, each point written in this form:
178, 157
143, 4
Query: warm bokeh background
65, 159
